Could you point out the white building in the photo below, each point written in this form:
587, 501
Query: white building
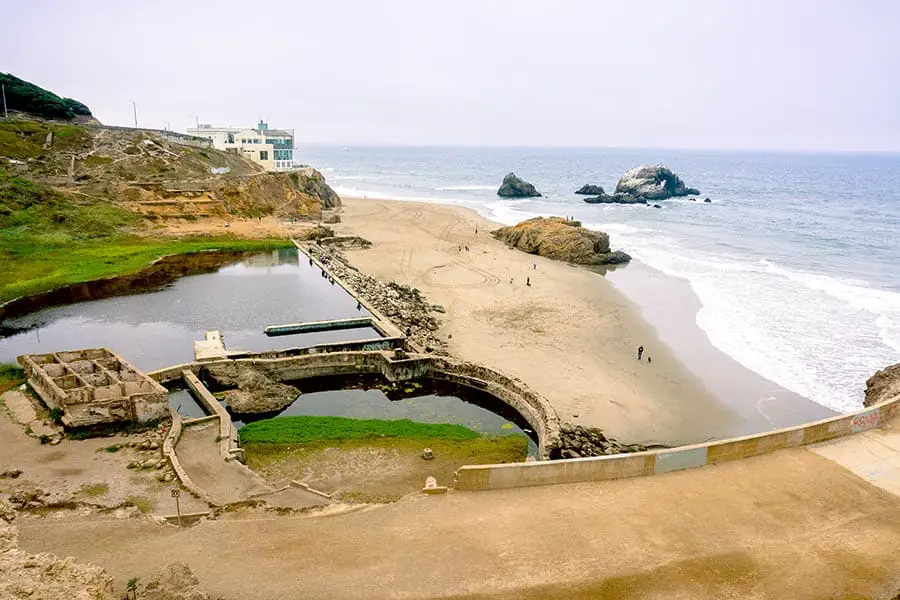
272, 148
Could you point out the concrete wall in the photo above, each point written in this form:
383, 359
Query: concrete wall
535, 409
486, 477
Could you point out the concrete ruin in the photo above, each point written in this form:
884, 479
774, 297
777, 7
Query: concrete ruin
95, 386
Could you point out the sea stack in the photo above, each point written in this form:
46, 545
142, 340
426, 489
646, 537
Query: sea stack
515, 187
653, 182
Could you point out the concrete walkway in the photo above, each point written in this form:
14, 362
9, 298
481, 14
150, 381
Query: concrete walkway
230, 481
873, 455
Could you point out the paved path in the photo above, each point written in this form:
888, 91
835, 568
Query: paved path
230, 481
873, 455
791, 524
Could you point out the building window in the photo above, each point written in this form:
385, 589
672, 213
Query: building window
263, 155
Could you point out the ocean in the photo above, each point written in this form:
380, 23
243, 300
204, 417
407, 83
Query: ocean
795, 262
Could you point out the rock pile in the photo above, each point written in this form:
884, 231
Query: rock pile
175, 581
577, 442
589, 189
256, 392
559, 239
883, 385
406, 307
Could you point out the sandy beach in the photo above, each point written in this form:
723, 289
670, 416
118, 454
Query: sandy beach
571, 335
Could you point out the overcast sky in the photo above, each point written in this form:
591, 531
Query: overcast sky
769, 74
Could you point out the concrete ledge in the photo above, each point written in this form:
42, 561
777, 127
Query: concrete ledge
618, 466
384, 324
534, 408
169, 444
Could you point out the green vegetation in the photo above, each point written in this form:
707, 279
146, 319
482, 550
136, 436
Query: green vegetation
93, 490
96, 160
10, 376
25, 139
49, 239
110, 449
56, 415
143, 504
290, 430
27, 97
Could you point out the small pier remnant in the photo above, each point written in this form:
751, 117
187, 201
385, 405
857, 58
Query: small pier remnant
210, 348
311, 326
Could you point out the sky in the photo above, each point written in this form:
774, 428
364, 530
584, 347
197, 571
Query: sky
730, 74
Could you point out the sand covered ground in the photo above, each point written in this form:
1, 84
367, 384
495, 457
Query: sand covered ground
570, 335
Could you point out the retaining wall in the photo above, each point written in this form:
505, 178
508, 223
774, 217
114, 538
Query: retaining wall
487, 477
535, 409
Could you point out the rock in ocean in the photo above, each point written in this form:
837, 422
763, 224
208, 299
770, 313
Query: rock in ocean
515, 187
591, 190
653, 182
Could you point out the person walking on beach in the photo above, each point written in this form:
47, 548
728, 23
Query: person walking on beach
534, 266
640, 352
528, 281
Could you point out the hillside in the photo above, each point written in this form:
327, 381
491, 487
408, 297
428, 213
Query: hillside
25, 97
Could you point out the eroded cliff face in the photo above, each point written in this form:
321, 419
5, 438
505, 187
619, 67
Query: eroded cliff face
158, 174
883, 385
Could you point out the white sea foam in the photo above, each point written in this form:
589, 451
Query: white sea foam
465, 188
817, 335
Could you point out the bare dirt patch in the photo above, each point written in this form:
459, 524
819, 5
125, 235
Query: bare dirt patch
377, 470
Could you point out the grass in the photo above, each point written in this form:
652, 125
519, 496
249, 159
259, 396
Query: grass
49, 239
25, 271
11, 376
143, 504
96, 160
93, 490
292, 430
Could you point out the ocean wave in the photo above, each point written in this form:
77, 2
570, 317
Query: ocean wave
818, 335
465, 188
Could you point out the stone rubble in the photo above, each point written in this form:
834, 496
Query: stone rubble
406, 307
577, 441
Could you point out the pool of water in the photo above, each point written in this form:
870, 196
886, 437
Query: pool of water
184, 402
157, 329
429, 401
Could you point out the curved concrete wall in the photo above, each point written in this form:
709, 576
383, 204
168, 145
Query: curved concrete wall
535, 409
486, 477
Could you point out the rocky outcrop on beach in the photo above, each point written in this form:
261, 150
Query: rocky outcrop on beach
590, 190
653, 182
515, 187
255, 393
883, 385
616, 199
405, 306
175, 581
577, 442
559, 239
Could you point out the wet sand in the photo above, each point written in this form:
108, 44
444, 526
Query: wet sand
670, 306
571, 335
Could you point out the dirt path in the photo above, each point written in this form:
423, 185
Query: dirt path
787, 525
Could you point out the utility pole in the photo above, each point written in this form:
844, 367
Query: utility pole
196, 120
134, 105
5, 112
